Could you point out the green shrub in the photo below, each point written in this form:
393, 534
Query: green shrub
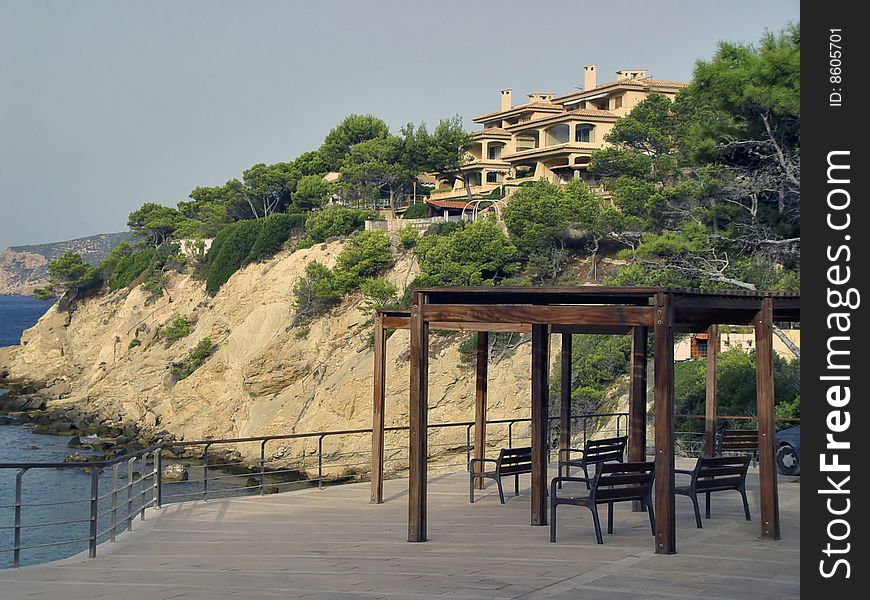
124, 264
316, 291
364, 256
476, 254
241, 243
177, 329
408, 238
194, 360
134, 343
378, 293
336, 221
276, 230
416, 211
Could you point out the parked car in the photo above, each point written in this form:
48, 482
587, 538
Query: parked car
788, 451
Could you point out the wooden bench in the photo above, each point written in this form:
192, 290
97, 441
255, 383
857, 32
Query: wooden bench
739, 441
726, 473
593, 452
510, 461
613, 482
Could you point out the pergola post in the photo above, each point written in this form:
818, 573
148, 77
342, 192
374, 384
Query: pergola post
481, 373
665, 505
710, 405
637, 402
766, 423
540, 411
418, 413
565, 395
380, 381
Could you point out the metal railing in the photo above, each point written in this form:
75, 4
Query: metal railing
136, 500
117, 492
690, 444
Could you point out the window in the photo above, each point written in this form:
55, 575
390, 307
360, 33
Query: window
617, 102
493, 177
494, 151
583, 133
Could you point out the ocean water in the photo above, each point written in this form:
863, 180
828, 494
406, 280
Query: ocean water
17, 313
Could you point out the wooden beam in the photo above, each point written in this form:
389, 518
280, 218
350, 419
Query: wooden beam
490, 327
710, 404
565, 393
591, 329
418, 410
540, 315
396, 322
766, 421
481, 373
380, 382
637, 402
665, 505
540, 410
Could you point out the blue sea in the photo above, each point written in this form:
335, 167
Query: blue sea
17, 313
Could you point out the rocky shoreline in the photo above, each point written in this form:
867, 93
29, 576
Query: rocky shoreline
27, 403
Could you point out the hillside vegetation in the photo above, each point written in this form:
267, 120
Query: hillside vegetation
703, 191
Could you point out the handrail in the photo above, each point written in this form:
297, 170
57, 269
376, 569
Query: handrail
145, 489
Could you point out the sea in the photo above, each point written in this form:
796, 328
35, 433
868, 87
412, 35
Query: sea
17, 313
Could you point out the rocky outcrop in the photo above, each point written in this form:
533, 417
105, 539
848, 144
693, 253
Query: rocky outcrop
265, 377
25, 268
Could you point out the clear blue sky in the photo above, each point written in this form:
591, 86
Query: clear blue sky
105, 105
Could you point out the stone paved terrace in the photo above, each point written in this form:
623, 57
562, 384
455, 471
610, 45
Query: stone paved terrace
333, 544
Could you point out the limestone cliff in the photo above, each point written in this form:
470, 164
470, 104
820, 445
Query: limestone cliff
266, 376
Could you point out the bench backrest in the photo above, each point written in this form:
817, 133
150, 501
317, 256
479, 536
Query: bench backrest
720, 473
615, 482
739, 440
604, 450
515, 460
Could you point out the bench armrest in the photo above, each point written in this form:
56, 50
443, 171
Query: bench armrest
562, 450
479, 460
684, 472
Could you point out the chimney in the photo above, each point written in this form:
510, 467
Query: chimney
505, 99
589, 81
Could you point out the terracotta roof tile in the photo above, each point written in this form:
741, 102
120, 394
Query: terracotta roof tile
459, 204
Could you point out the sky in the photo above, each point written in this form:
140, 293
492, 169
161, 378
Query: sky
105, 105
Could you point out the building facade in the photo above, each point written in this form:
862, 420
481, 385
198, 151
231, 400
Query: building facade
548, 137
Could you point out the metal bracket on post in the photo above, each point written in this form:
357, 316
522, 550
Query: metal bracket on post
92, 519
16, 545
320, 462
263, 466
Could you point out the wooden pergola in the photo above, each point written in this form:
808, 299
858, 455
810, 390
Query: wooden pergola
544, 311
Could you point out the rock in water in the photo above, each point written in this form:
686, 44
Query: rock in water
175, 472
74, 442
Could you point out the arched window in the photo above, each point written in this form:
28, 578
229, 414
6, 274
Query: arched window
558, 134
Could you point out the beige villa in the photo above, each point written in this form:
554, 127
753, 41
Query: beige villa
548, 137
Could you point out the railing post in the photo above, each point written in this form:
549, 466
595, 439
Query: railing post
262, 466
16, 545
130, 464
205, 473
114, 515
142, 492
468, 445
511, 434
320, 462
95, 494
158, 478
